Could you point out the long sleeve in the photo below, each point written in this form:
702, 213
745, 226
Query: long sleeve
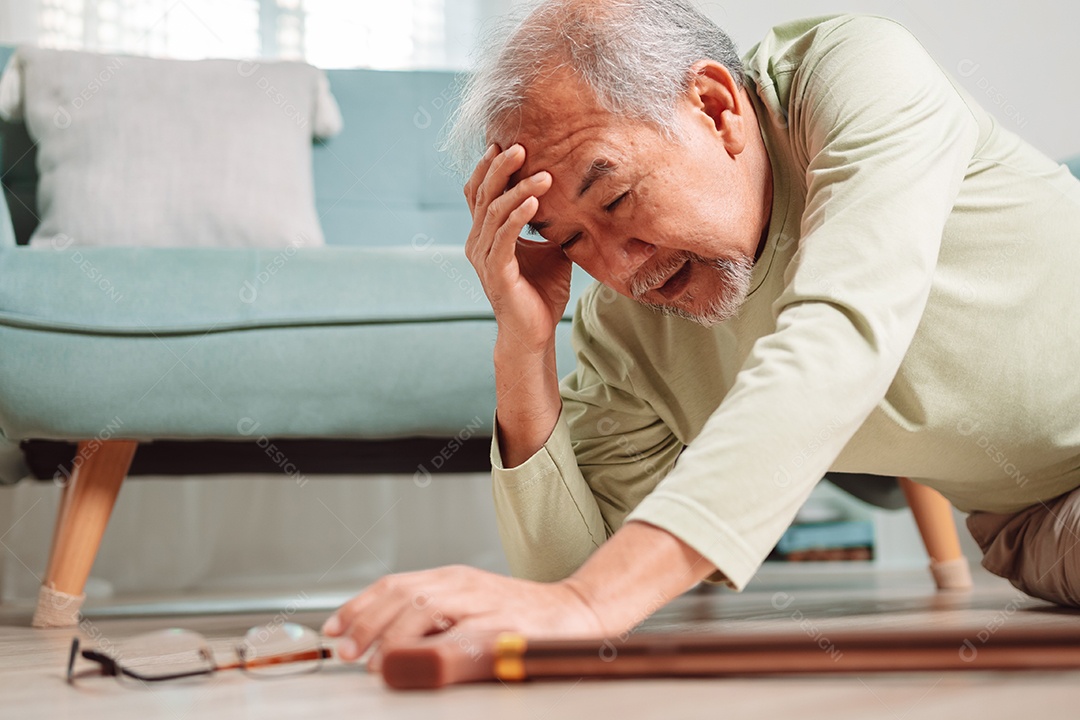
886, 140
548, 520
608, 451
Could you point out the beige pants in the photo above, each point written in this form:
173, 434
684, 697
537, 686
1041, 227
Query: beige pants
1036, 549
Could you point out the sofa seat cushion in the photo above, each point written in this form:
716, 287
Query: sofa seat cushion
147, 291
172, 344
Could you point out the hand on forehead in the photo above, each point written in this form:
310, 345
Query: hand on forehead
559, 120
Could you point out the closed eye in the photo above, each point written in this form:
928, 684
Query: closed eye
610, 207
571, 241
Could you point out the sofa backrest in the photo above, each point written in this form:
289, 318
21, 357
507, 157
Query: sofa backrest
1074, 165
380, 182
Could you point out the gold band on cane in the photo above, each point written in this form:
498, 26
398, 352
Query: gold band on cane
509, 663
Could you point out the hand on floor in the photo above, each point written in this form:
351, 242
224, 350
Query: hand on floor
459, 601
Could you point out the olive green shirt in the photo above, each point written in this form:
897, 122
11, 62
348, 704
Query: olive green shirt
913, 313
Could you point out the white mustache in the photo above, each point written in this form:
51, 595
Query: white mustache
645, 280
735, 278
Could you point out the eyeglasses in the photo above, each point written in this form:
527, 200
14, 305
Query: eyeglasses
270, 650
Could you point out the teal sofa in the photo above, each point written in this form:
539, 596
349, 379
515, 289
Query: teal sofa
372, 354
385, 333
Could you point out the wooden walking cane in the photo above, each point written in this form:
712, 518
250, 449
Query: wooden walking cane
437, 662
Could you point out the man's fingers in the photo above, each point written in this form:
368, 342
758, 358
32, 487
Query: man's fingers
493, 185
485, 194
367, 627
409, 627
478, 175
365, 618
504, 244
506, 218
338, 623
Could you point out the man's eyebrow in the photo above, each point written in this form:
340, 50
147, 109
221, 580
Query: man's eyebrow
598, 169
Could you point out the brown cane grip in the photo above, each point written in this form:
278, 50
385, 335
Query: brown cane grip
437, 662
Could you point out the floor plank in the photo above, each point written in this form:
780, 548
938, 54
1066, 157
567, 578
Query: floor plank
32, 665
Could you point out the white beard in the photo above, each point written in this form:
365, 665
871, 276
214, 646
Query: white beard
735, 275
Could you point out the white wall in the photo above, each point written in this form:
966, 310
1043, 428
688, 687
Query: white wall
18, 21
1018, 59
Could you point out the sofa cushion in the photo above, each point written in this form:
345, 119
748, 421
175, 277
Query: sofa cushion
192, 343
148, 291
346, 380
170, 153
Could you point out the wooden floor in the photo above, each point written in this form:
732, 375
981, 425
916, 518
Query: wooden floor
32, 666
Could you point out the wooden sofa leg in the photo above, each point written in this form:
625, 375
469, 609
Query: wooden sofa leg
934, 517
84, 512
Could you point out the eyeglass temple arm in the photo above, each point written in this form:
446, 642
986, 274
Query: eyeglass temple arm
301, 656
108, 666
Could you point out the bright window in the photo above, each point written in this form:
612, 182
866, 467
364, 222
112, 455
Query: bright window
393, 34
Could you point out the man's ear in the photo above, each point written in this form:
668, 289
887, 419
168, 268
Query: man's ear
718, 97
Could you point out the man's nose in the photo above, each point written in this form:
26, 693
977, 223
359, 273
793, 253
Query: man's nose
625, 258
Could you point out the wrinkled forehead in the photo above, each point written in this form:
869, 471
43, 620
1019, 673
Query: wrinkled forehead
572, 150
569, 153
559, 118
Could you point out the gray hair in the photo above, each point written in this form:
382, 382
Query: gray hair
636, 55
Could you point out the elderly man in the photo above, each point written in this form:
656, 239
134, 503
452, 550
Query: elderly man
824, 257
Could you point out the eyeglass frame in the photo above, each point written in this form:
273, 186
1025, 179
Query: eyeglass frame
111, 667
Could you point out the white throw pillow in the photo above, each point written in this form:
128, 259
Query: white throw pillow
171, 153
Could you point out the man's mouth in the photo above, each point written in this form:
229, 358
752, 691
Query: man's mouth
714, 303
676, 282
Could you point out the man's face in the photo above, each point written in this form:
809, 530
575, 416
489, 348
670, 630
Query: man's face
672, 224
